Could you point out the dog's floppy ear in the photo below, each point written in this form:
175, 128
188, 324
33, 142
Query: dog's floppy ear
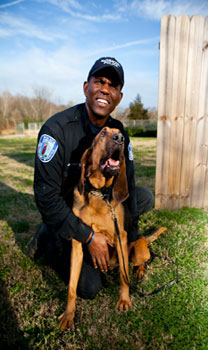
120, 189
85, 171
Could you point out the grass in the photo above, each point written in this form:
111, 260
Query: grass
32, 296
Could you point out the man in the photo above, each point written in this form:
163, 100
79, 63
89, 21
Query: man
61, 143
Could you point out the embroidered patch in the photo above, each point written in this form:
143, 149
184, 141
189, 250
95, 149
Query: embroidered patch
47, 148
131, 156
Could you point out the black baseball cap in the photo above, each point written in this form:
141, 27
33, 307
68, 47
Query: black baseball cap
110, 63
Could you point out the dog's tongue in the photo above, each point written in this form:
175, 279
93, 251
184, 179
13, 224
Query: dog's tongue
111, 163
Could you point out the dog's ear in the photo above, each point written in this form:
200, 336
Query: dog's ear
85, 168
120, 189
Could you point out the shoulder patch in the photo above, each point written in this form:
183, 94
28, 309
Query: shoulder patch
47, 148
131, 156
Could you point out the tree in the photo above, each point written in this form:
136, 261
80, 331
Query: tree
153, 113
40, 104
136, 109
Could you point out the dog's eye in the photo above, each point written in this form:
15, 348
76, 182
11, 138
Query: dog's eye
103, 133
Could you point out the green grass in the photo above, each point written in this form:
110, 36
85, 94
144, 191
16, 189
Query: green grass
32, 296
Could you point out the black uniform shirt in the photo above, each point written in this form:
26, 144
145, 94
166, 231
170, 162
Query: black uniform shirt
61, 143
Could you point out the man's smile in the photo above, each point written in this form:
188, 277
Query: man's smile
102, 101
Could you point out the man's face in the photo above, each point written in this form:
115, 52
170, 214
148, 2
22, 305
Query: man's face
103, 94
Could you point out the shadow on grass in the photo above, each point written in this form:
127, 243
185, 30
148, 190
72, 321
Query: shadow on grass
22, 152
16, 208
11, 337
27, 158
16, 212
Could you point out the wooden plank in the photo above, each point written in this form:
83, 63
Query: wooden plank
164, 98
182, 145
191, 107
198, 198
177, 110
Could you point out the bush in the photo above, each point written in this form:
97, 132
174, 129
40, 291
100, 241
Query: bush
140, 131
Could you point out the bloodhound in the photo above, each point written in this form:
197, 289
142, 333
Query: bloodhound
103, 170
98, 203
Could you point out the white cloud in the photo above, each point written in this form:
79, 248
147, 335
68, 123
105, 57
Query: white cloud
66, 4
154, 9
124, 45
12, 25
75, 9
11, 3
63, 72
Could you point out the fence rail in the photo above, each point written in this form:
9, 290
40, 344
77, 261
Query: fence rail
146, 124
35, 127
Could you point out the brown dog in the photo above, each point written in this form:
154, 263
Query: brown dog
141, 253
103, 167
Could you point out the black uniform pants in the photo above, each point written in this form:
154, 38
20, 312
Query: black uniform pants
57, 252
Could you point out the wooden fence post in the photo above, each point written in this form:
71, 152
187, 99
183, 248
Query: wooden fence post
182, 145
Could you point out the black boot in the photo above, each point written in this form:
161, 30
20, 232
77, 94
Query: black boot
37, 244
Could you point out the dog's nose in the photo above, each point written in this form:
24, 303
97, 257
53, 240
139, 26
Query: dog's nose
118, 138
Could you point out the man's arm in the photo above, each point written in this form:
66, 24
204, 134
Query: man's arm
48, 178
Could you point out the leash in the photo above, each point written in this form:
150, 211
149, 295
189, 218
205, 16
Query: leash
159, 289
105, 197
126, 278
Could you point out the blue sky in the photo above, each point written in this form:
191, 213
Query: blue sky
53, 44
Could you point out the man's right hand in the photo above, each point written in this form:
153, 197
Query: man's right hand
99, 251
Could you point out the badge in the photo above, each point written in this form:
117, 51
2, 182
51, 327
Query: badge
47, 148
131, 156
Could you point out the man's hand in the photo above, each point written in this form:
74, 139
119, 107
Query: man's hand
99, 252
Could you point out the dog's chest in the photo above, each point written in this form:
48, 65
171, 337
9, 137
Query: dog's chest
97, 214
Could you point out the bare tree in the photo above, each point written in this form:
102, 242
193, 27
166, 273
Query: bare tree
153, 113
18, 108
119, 113
6, 102
40, 104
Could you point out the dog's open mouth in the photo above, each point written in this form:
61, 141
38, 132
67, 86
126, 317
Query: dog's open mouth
112, 163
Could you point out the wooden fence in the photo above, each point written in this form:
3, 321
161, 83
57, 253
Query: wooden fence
182, 148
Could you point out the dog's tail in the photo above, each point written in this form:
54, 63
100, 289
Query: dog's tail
153, 236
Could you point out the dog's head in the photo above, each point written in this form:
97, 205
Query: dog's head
104, 163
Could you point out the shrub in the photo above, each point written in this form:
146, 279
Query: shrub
140, 131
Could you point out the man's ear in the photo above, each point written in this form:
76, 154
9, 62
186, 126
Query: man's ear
85, 87
85, 169
121, 96
120, 189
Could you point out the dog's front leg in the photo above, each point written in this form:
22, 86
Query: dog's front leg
67, 318
124, 302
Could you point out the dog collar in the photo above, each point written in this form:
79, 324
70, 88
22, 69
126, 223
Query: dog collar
104, 192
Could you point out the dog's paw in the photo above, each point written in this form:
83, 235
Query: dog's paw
139, 271
124, 304
66, 320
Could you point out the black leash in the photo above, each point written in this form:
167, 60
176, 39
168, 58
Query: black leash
159, 289
106, 198
126, 278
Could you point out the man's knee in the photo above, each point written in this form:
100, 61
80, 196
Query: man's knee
89, 283
144, 199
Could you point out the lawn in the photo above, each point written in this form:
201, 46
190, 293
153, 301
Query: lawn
32, 296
